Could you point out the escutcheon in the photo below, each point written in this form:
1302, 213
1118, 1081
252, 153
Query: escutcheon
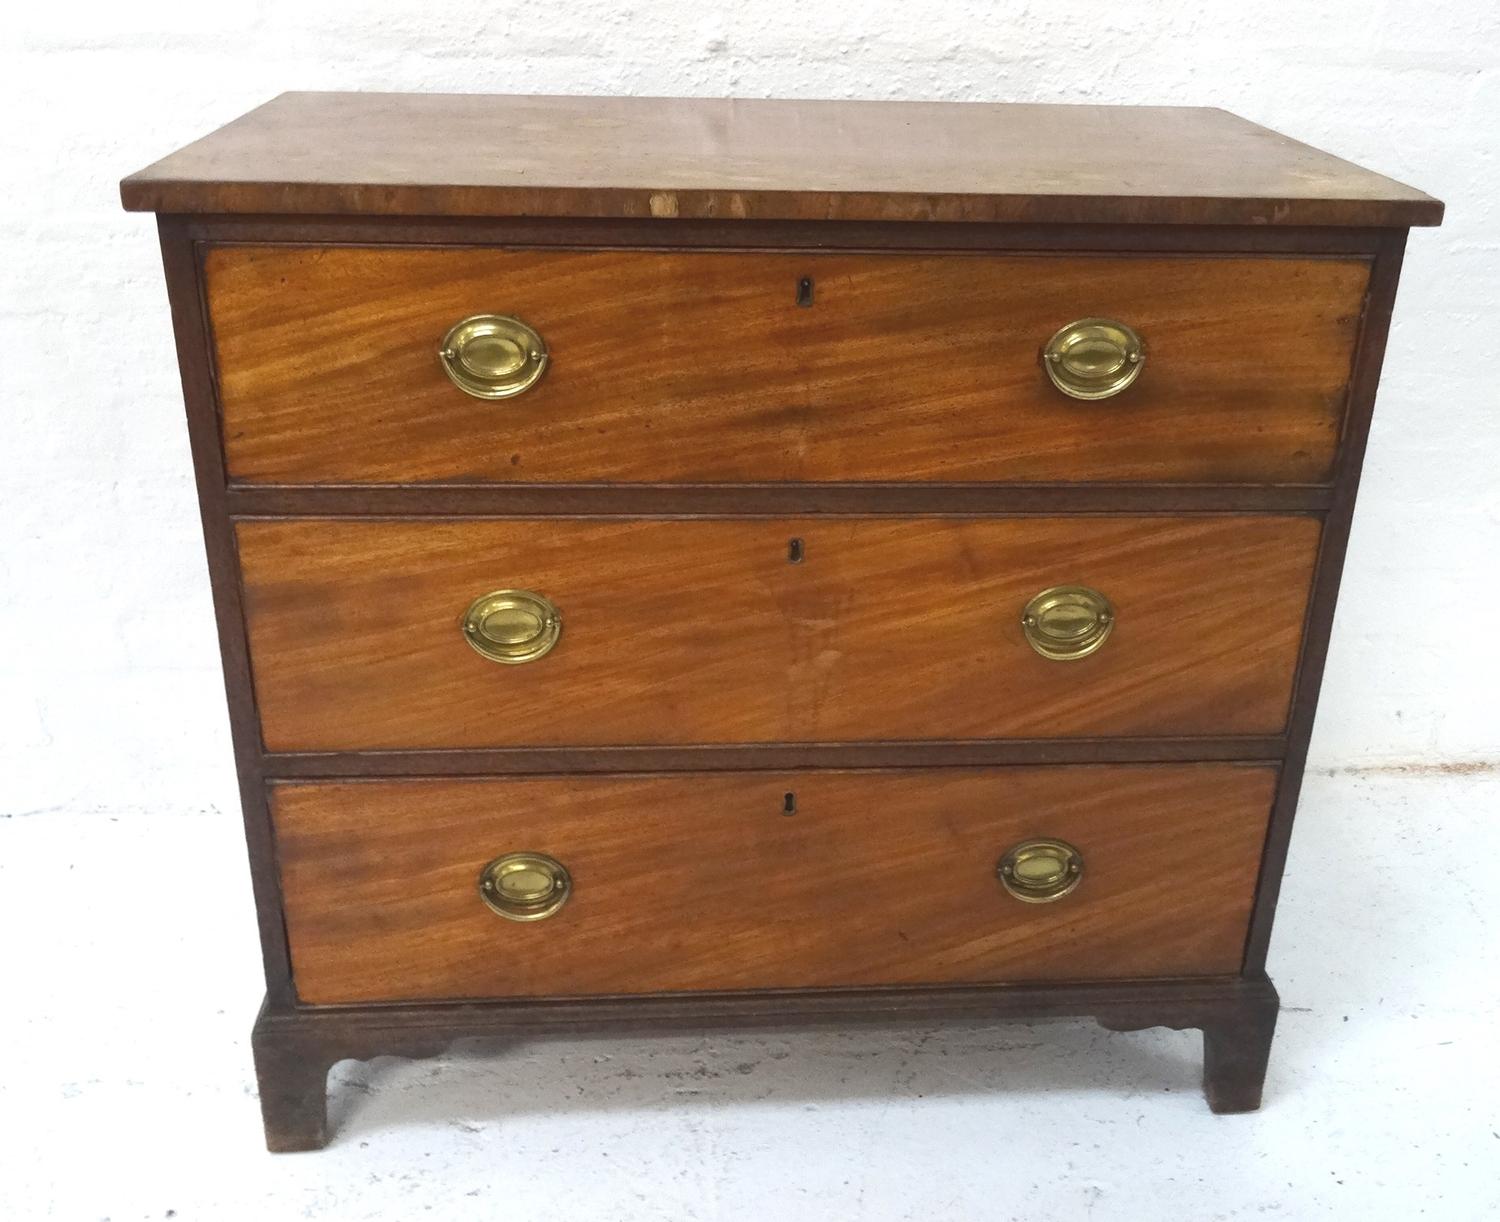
1094, 358
493, 356
1040, 871
1065, 623
512, 626
525, 886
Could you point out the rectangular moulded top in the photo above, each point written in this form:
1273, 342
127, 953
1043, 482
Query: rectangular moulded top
478, 155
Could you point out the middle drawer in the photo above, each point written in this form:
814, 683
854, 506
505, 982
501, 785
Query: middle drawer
770, 630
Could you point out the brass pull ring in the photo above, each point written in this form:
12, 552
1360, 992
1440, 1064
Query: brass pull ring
1040, 871
1066, 623
493, 356
512, 626
525, 886
1094, 358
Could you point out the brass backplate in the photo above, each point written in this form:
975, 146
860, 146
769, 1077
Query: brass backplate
1094, 358
525, 886
493, 356
512, 626
1040, 871
1065, 623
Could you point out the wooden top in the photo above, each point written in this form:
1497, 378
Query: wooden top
389, 154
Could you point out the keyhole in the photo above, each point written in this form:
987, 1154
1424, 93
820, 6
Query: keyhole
789, 804
794, 551
805, 292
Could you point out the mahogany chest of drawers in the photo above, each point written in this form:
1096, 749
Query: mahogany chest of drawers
715, 562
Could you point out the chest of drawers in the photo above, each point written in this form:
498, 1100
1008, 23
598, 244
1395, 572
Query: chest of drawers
700, 562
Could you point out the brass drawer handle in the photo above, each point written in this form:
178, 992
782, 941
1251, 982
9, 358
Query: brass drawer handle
525, 886
493, 356
512, 626
1094, 358
1040, 871
1066, 623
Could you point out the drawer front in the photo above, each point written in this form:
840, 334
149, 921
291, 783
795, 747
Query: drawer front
704, 368
707, 631
704, 882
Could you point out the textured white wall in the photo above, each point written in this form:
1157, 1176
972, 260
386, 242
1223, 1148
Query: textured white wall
109, 690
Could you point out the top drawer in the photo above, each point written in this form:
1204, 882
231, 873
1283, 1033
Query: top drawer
747, 368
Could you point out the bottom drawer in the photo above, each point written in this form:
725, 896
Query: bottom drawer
765, 880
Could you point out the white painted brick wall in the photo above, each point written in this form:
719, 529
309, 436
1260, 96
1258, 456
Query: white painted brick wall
109, 689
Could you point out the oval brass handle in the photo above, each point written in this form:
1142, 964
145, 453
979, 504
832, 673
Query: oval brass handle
493, 356
525, 886
1066, 623
1094, 358
512, 626
1040, 871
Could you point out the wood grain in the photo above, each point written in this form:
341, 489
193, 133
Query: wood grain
684, 367
296, 1046
189, 324
701, 631
1324, 600
644, 233
689, 500
676, 158
1274, 199
704, 883
742, 757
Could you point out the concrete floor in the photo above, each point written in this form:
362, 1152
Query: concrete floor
128, 1092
